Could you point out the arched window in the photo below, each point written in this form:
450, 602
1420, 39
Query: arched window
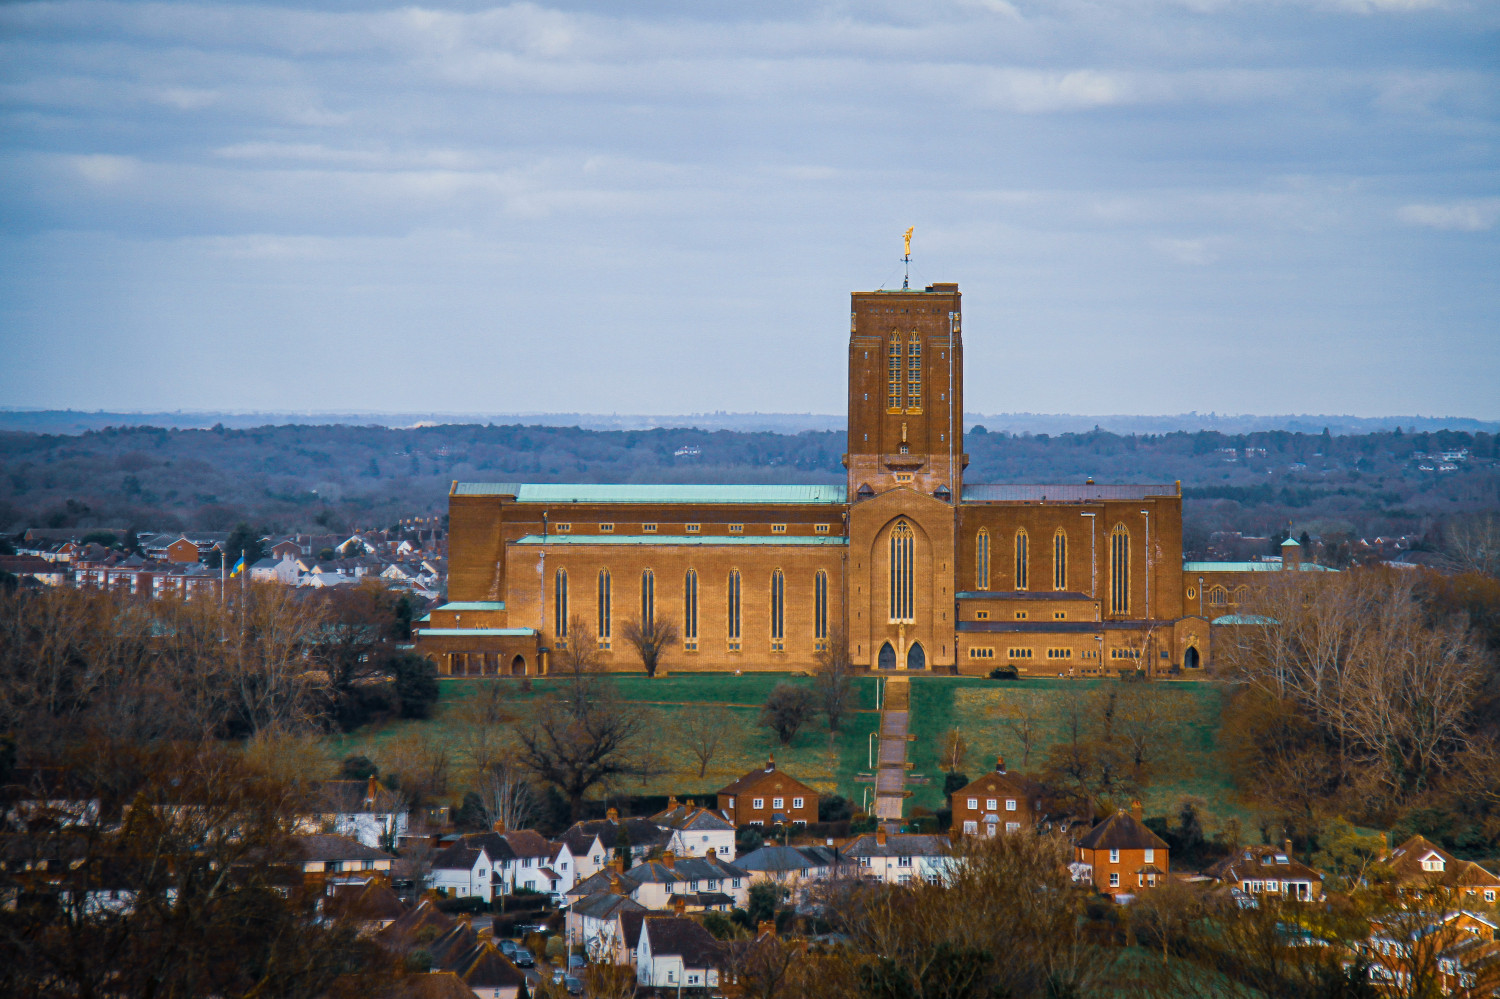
1060, 560
914, 373
560, 604
690, 607
778, 610
903, 552
982, 560
1119, 570
893, 374
1217, 596
733, 621
820, 605
648, 598
604, 599
1022, 540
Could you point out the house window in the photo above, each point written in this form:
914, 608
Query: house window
690, 608
604, 609
989, 804
758, 803
1114, 879
902, 585
778, 802
1022, 542
973, 802
1217, 596
691, 528
1011, 827
971, 827
778, 528
648, 598
820, 605
1059, 560
778, 610
1119, 570
560, 603
796, 802
1059, 653
606, 528
1010, 804
1433, 864
736, 528
903, 861
1059, 615
914, 375
733, 607
982, 561
1150, 856
1114, 856
1021, 615
648, 528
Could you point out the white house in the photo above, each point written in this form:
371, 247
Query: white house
900, 858
361, 810
674, 952
463, 870
695, 832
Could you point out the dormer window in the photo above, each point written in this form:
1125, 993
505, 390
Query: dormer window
1432, 862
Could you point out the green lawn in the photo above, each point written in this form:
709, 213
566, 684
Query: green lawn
975, 706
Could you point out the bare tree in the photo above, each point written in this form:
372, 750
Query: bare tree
579, 660
703, 731
834, 680
650, 639
1023, 718
955, 749
578, 749
785, 710
1144, 722
1472, 542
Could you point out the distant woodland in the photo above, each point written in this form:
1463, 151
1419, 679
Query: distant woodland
286, 478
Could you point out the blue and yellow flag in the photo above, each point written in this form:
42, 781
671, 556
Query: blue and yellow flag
239, 567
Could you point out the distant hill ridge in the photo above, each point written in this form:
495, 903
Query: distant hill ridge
68, 421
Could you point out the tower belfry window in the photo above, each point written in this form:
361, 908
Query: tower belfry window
914, 374
903, 589
893, 374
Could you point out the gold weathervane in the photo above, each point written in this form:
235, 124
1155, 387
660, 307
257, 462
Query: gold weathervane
907, 237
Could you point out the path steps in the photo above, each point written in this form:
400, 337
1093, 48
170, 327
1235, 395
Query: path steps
890, 778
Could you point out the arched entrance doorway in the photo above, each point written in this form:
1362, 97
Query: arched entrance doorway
915, 657
1190, 658
887, 658
518, 666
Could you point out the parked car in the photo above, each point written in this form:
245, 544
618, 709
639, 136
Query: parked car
576, 963
523, 959
508, 948
573, 985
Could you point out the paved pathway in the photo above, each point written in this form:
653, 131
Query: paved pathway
890, 779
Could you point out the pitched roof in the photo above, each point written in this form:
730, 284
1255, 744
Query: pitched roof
486, 968
371, 901
1262, 863
691, 819
601, 881
757, 776
631, 922
781, 858
1121, 831
527, 843
605, 905
1406, 862
685, 938
642, 832
458, 857
405, 929
898, 845
434, 985
348, 797
1001, 782
324, 846
450, 947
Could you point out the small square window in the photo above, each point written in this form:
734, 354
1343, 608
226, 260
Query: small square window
796, 802
648, 528
692, 528
778, 802
1114, 856
1059, 615
820, 528
1010, 804
736, 528
989, 803
1020, 615
778, 528
563, 528
973, 802
758, 803
1114, 879
981, 615
606, 528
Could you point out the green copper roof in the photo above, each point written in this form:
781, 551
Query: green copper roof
1293, 542
476, 632
1252, 567
665, 540
1243, 619
474, 605
549, 492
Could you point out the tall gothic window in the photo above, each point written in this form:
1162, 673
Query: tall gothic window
1022, 542
648, 598
820, 605
1060, 560
982, 560
604, 605
690, 606
1119, 570
560, 604
914, 373
903, 552
778, 608
734, 605
893, 374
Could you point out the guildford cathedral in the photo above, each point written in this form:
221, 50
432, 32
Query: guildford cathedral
911, 565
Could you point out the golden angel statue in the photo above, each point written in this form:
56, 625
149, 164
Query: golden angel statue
907, 237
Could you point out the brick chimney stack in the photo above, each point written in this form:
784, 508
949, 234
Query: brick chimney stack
679, 904
669, 859
613, 815
1286, 848
771, 763
999, 764
880, 835
371, 789
1135, 809
617, 864
500, 826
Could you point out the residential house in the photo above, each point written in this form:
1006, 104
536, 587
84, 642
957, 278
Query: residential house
695, 832
702, 883
901, 858
1419, 863
323, 854
794, 866
489, 974
1268, 870
362, 809
612, 878
999, 801
678, 953
275, 570
367, 901
768, 797
463, 870
1120, 855
598, 923
1457, 948
593, 842
48, 573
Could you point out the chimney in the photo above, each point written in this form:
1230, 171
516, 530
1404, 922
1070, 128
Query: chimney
613, 815
999, 764
500, 826
371, 788
771, 763
669, 859
712, 852
1135, 809
1286, 848
679, 904
671, 802
614, 883
687, 803
880, 835
617, 863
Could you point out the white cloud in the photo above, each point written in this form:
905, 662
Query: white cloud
1475, 215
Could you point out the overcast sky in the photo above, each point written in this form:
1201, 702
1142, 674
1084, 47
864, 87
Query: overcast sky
1151, 206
